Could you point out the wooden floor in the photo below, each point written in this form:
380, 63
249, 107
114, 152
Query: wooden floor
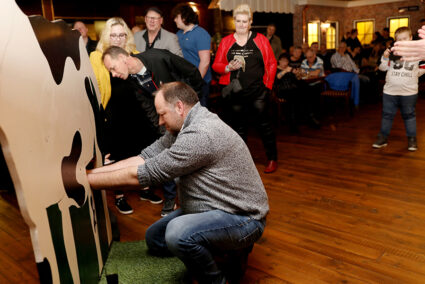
341, 212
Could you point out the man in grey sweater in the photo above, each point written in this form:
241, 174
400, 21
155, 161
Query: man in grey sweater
222, 198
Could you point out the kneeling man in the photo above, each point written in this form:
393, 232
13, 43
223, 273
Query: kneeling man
222, 198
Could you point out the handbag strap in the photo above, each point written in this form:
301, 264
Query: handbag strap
243, 52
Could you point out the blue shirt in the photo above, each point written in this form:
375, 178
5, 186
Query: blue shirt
191, 43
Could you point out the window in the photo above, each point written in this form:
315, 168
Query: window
365, 30
396, 23
313, 32
331, 35
329, 30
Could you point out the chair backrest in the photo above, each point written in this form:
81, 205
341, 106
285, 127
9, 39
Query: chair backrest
340, 81
328, 91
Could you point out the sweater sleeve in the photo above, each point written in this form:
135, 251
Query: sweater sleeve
189, 153
158, 146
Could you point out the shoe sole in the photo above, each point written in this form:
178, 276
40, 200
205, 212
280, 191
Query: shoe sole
376, 146
125, 212
412, 149
165, 213
151, 201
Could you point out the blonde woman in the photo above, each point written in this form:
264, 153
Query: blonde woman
124, 118
248, 56
116, 33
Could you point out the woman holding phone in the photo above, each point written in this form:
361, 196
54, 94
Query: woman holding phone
248, 56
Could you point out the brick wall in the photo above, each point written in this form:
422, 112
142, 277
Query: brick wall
346, 16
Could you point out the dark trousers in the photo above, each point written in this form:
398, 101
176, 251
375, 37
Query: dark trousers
240, 110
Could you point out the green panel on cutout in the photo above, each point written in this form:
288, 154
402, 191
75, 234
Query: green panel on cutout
55, 222
85, 245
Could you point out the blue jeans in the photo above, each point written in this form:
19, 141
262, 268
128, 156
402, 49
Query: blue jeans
196, 238
407, 105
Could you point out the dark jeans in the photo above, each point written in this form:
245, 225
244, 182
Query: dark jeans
241, 109
407, 105
203, 100
170, 189
196, 238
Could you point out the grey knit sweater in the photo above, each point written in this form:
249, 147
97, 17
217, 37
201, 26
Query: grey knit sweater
212, 166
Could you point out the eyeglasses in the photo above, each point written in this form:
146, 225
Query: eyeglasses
152, 18
118, 36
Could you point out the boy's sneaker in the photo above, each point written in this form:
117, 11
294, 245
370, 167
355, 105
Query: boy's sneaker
122, 205
411, 143
380, 142
169, 206
149, 195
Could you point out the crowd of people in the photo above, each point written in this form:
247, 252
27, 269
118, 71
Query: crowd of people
154, 87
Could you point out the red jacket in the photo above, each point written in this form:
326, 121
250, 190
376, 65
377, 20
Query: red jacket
262, 43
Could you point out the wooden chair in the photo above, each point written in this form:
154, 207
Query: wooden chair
279, 102
328, 92
345, 94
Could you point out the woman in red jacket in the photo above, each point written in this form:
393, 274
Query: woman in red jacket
249, 57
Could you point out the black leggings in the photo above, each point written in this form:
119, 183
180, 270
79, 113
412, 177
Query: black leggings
241, 109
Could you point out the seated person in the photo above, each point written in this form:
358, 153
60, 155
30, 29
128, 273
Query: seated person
315, 47
223, 200
325, 55
371, 62
312, 68
286, 87
370, 68
356, 56
296, 57
341, 61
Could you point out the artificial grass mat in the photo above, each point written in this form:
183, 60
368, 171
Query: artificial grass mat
133, 264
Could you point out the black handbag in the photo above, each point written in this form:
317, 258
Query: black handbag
233, 87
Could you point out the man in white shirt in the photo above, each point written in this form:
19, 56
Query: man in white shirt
341, 60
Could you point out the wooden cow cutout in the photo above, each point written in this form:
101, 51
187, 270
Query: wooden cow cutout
49, 109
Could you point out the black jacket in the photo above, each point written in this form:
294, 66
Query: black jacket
167, 67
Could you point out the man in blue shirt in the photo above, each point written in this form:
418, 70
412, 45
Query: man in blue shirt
195, 43
312, 65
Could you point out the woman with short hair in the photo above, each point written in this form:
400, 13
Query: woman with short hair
248, 56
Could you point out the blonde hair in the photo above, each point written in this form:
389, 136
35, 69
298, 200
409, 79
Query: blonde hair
402, 30
243, 9
105, 40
